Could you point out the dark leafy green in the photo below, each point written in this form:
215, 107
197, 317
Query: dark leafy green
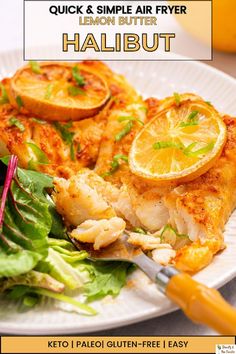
27, 223
38, 183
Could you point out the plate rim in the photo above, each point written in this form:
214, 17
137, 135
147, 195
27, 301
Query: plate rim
109, 323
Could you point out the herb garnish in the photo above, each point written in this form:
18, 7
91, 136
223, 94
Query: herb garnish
187, 150
35, 67
79, 147
115, 164
171, 236
177, 98
4, 96
167, 144
48, 92
39, 121
19, 101
139, 230
41, 157
13, 121
75, 91
191, 120
130, 118
126, 130
66, 136
77, 76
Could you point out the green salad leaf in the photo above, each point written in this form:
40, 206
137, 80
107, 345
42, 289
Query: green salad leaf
107, 278
32, 279
29, 217
38, 183
23, 216
63, 269
32, 264
17, 263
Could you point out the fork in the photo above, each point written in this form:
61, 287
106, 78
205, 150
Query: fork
200, 303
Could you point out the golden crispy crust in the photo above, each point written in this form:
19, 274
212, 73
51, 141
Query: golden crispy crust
209, 200
88, 133
87, 136
205, 203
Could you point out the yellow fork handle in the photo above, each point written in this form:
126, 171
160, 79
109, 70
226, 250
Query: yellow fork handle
201, 304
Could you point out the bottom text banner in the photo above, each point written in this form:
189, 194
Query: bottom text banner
204, 344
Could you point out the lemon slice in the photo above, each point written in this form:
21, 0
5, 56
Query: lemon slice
59, 91
180, 143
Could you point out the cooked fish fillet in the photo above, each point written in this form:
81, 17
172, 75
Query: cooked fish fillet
84, 196
86, 134
202, 207
126, 119
99, 232
86, 141
198, 209
105, 206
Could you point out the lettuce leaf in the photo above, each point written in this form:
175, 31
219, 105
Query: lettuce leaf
62, 264
32, 279
107, 278
38, 183
23, 240
28, 257
17, 263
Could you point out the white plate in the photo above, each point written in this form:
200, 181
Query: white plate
142, 301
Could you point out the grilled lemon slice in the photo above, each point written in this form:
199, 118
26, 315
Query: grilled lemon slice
59, 91
180, 143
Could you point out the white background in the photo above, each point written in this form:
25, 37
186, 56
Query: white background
11, 37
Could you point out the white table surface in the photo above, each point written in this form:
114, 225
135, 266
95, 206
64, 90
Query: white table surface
176, 323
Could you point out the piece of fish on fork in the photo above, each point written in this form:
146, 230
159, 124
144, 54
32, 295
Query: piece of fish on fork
200, 303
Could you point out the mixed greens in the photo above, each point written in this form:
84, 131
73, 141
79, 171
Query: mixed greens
37, 257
